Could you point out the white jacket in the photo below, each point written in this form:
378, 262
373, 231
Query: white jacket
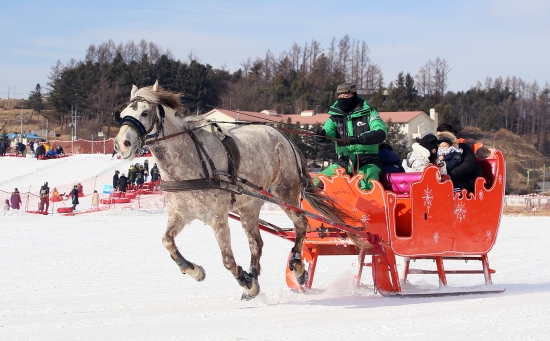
417, 160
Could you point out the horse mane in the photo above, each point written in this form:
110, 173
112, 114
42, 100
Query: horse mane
162, 97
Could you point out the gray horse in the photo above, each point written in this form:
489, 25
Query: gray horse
195, 164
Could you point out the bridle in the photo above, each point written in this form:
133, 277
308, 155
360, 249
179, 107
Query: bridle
143, 133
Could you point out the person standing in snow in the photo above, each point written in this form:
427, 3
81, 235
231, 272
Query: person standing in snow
44, 198
16, 200
74, 196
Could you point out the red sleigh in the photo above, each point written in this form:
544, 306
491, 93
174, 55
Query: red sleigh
415, 216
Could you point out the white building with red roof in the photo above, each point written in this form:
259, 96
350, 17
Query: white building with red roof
413, 123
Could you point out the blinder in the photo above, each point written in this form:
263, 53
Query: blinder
133, 122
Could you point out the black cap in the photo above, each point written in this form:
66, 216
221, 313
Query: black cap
429, 142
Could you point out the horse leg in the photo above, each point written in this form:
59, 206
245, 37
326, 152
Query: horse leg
175, 226
250, 219
246, 280
295, 264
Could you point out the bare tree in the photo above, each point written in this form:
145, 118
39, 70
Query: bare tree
316, 51
344, 55
246, 66
106, 52
332, 56
131, 52
373, 78
295, 54
306, 55
143, 48
269, 66
91, 54
154, 52
441, 75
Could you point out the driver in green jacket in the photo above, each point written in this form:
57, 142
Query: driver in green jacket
360, 126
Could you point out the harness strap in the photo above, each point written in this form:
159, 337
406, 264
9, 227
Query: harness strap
200, 148
233, 160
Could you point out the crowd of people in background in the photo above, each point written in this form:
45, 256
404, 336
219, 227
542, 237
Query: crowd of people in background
138, 174
39, 150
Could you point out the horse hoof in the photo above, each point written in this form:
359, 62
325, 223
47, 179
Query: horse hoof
246, 297
197, 273
303, 278
253, 291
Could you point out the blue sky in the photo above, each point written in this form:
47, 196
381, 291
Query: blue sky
478, 39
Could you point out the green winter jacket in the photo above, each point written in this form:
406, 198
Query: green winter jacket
358, 124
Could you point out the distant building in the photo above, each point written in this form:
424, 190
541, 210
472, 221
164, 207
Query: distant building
413, 123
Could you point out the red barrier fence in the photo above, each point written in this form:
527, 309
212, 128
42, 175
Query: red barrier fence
81, 146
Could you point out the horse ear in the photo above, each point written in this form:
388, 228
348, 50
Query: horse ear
156, 86
134, 90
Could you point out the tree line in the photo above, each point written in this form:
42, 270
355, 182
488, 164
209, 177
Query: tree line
301, 78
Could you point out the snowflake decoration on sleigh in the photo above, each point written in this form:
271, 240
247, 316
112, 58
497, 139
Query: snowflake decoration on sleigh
460, 211
428, 197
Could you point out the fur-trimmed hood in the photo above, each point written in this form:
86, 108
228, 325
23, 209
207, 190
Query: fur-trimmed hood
446, 136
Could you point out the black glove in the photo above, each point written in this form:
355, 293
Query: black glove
319, 135
353, 140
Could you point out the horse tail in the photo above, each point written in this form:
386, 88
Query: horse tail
326, 206
329, 207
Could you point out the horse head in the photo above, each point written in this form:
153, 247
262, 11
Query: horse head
142, 118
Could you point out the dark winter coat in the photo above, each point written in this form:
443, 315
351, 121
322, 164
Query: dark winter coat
465, 174
3, 146
15, 200
140, 176
44, 191
20, 148
40, 150
115, 181
155, 175
122, 183
452, 157
74, 196
391, 163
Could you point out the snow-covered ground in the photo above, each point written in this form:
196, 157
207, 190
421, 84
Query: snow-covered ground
107, 276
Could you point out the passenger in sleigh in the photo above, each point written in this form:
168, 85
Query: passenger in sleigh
449, 154
466, 172
424, 153
391, 163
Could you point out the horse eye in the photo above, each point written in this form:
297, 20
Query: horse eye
144, 114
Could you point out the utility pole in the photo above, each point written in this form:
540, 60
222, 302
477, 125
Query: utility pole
74, 117
543, 178
22, 118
